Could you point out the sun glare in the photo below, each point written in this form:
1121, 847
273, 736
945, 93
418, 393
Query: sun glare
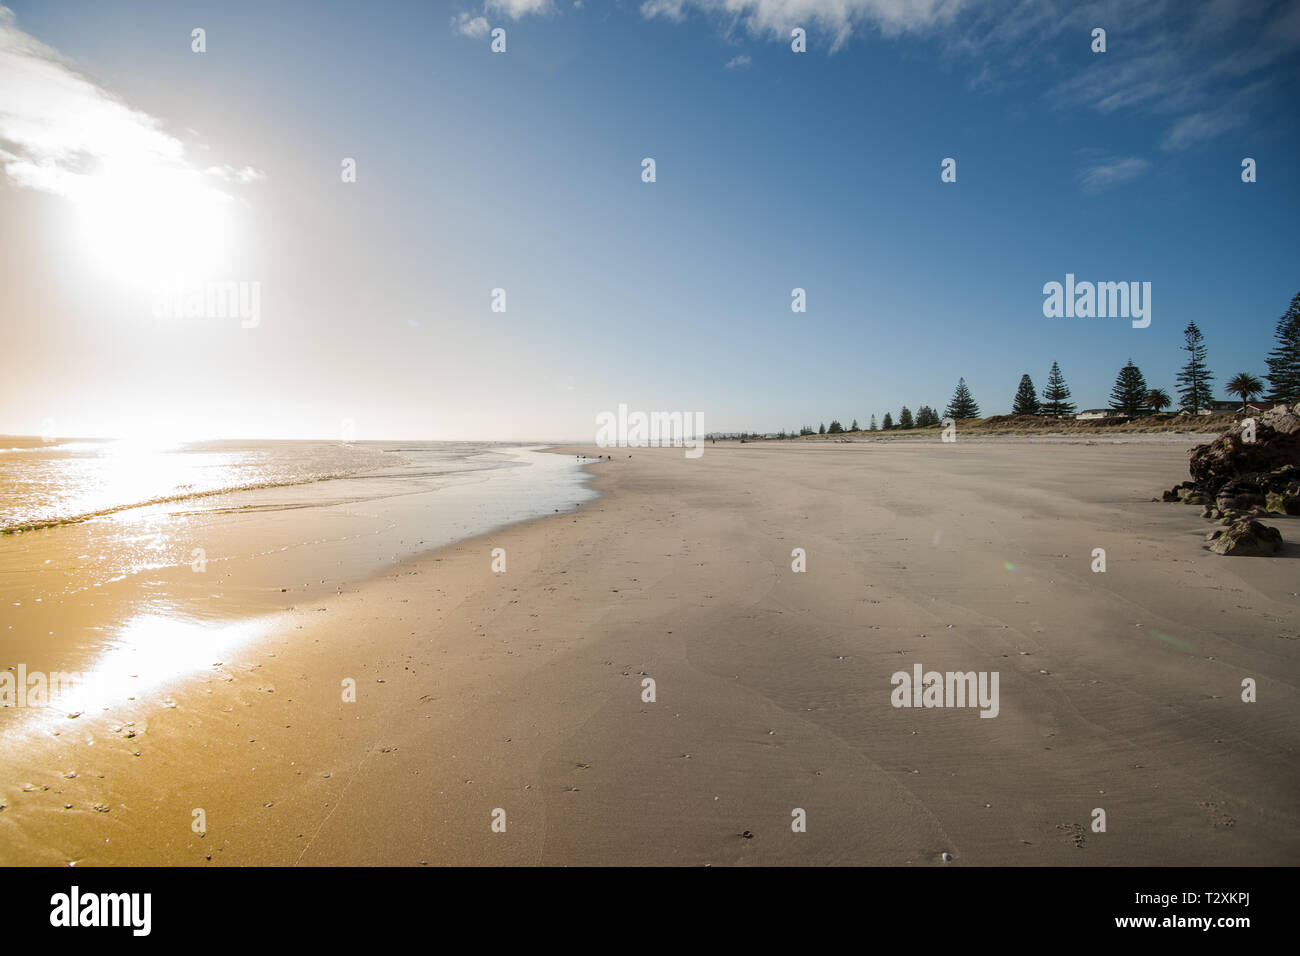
148, 652
151, 227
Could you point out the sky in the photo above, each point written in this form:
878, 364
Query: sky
133, 167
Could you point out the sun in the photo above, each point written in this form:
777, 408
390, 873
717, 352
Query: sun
152, 227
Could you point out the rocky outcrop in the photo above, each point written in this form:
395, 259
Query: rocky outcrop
1281, 418
1246, 472
1231, 456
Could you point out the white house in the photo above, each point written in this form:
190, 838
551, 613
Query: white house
1219, 407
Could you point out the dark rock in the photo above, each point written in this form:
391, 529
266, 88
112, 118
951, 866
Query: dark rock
1283, 503
1240, 494
1245, 537
1229, 456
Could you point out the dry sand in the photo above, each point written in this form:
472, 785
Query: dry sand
523, 691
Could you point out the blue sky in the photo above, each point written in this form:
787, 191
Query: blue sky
775, 170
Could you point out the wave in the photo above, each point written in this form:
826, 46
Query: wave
44, 523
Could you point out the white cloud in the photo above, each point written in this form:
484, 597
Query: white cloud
143, 209
465, 25
515, 9
477, 27
736, 62
65, 135
1102, 176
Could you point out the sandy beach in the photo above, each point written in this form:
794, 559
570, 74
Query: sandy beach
523, 691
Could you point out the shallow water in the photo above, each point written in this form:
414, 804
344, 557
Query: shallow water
190, 571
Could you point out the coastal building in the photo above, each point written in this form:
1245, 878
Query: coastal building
1216, 408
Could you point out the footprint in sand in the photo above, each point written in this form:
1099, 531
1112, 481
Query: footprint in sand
1073, 832
1219, 819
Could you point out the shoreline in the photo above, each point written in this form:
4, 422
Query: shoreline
72, 594
523, 691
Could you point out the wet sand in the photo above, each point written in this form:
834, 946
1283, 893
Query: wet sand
523, 691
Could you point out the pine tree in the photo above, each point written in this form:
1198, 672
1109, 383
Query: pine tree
1194, 380
1129, 394
1284, 361
835, 429
822, 429
962, 404
905, 418
1026, 400
887, 422
854, 426
873, 427
926, 416
1056, 395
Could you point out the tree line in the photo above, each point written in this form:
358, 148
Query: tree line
1131, 395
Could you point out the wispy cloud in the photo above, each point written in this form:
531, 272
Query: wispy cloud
836, 18
242, 176
668, 9
1106, 175
1202, 126
1207, 124
1165, 58
737, 62
1186, 65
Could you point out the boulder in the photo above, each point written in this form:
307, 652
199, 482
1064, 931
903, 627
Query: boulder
1244, 537
1240, 494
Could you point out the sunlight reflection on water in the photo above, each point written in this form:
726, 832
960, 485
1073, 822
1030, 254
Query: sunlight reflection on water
147, 654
